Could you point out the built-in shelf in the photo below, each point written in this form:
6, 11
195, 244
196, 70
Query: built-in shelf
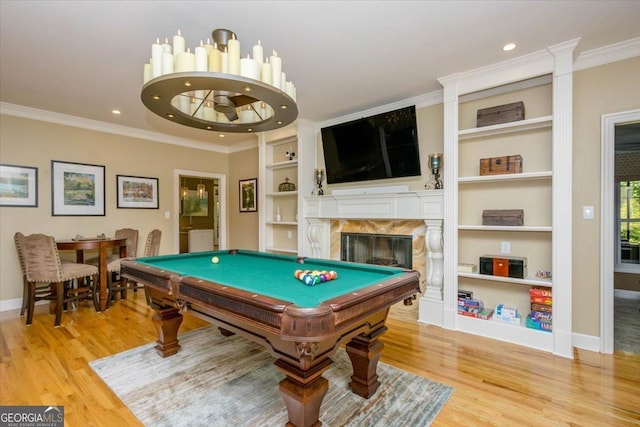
283, 194
538, 228
517, 334
529, 281
519, 126
505, 177
282, 222
282, 165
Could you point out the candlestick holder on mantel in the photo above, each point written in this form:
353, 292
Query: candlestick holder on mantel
435, 163
318, 175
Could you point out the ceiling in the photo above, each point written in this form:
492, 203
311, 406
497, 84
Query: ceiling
85, 58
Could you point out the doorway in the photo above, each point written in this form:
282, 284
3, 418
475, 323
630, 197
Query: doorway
608, 224
199, 211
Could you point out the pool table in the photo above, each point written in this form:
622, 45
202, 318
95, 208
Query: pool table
257, 295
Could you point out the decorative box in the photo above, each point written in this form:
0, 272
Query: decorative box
287, 186
501, 165
503, 217
495, 265
501, 114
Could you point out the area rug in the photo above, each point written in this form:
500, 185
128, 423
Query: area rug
230, 381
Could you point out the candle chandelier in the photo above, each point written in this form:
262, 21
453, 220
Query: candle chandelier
215, 89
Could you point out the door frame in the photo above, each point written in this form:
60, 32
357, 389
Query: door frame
607, 221
222, 192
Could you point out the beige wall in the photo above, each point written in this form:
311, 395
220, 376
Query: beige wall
600, 90
243, 226
34, 143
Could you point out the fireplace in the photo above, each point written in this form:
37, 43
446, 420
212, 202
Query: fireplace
381, 249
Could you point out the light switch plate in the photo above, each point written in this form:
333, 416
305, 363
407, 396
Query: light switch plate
587, 212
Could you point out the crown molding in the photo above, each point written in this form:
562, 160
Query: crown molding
607, 54
420, 101
79, 122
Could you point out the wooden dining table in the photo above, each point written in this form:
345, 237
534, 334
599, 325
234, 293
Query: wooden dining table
102, 245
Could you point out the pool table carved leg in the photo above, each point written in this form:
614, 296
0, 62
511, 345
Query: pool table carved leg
302, 392
167, 321
364, 352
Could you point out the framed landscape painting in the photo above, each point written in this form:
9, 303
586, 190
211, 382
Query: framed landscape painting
18, 186
137, 192
77, 189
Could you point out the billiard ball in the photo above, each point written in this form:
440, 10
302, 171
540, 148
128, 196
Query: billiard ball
215, 260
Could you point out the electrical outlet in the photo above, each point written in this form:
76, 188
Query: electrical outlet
505, 247
289, 234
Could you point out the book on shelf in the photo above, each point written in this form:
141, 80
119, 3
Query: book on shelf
467, 268
541, 308
464, 294
484, 313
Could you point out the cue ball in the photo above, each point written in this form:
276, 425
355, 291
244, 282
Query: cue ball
215, 260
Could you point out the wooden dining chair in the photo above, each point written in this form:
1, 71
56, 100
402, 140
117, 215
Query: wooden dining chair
25, 286
120, 285
49, 279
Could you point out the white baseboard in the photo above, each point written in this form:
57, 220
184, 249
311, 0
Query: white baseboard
586, 342
15, 304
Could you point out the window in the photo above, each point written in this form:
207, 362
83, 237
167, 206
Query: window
628, 222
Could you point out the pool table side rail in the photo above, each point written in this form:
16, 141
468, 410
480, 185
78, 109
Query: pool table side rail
290, 321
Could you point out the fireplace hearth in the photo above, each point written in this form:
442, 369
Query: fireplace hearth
380, 249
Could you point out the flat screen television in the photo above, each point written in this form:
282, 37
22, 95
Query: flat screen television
376, 147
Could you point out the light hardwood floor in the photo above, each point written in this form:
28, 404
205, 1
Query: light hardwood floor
494, 383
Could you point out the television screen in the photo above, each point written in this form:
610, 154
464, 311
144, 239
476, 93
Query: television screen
377, 147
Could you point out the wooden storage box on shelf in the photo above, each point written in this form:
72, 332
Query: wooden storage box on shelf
501, 165
503, 217
501, 114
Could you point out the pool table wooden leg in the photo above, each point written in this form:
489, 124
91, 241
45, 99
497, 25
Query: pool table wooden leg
167, 321
302, 392
364, 352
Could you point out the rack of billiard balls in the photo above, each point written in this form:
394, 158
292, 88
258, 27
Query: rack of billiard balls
313, 277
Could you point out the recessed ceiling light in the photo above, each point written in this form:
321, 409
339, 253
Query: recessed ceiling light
509, 46
221, 135
116, 112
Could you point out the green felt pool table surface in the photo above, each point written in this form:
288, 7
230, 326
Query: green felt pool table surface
272, 275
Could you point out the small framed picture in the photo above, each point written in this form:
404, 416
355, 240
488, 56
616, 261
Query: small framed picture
137, 192
18, 186
249, 195
77, 189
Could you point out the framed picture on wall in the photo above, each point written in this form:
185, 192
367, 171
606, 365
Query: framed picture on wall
137, 192
77, 189
18, 186
248, 195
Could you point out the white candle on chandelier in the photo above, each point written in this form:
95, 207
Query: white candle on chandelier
166, 47
156, 59
201, 59
215, 60
250, 68
265, 73
233, 50
224, 61
178, 43
185, 62
276, 69
167, 63
146, 75
258, 53
208, 46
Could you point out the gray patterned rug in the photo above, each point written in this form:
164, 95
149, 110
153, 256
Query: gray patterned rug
229, 381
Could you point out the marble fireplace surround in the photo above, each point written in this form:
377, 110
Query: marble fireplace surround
416, 213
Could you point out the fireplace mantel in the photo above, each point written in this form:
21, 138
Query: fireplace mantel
405, 205
427, 205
